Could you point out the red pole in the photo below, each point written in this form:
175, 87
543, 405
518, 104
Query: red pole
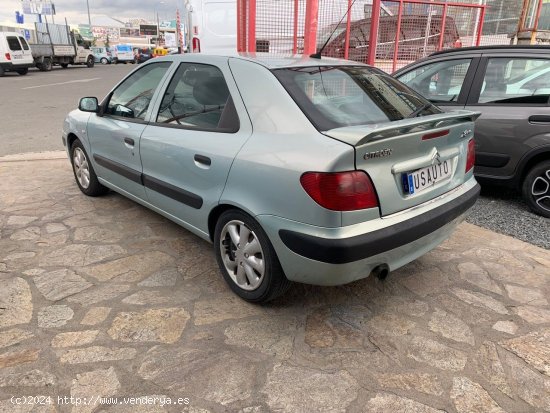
241, 26
480, 28
311, 23
397, 36
295, 40
348, 29
442, 37
251, 26
537, 18
373, 36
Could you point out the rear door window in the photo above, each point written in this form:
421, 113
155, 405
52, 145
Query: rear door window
516, 81
24, 43
13, 43
439, 81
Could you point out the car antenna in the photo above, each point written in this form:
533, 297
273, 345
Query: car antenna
318, 54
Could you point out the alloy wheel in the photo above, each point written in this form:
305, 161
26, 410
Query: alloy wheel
81, 168
540, 190
242, 255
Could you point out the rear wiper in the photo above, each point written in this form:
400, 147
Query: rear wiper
420, 110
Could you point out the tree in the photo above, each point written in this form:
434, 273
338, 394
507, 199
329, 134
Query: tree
107, 41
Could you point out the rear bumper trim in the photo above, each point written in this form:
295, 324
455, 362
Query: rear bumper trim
346, 250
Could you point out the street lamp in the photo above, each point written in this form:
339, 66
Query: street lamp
157, 17
89, 20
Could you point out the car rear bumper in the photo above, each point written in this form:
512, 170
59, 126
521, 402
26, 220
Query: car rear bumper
333, 256
10, 67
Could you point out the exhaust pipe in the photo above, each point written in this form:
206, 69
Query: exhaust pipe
381, 271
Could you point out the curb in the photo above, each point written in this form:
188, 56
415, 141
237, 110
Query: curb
34, 156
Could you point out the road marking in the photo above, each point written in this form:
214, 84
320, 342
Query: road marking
62, 83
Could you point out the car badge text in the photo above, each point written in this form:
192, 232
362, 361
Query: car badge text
382, 153
465, 134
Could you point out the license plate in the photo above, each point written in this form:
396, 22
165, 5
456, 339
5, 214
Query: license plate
17, 57
425, 178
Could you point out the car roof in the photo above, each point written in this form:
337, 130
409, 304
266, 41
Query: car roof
270, 61
515, 48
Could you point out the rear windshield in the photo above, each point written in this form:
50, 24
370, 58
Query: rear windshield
13, 43
337, 96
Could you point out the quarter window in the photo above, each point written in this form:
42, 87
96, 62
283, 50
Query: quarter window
516, 80
198, 98
24, 43
440, 82
13, 43
132, 98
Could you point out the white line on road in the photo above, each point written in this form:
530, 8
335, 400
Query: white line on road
62, 83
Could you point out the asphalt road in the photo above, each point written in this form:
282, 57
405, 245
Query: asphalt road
32, 107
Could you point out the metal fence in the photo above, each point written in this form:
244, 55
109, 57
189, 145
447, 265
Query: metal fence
401, 30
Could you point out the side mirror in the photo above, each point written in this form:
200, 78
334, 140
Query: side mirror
89, 104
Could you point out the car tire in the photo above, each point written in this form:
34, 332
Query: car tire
536, 189
23, 72
104, 61
83, 171
90, 61
261, 277
64, 65
45, 66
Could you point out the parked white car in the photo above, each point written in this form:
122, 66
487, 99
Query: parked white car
15, 54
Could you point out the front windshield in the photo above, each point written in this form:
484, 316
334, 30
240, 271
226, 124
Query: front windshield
337, 96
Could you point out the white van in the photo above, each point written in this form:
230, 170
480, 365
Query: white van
15, 54
212, 26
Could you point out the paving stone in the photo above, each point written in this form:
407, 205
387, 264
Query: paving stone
477, 276
223, 308
14, 336
32, 378
421, 382
218, 376
264, 335
20, 220
333, 327
530, 386
164, 325
14, 358
506, 327
93, 384
98, 294
26, 234
526, 295
54, 227
97, 234
464, 311
3, 267
163, 278
54, 316
147, 298
385, 403
145, 404
79, 255
299, 389
96, 354
451, 327
60, 284
133, 268
509, 274
534, 348
34, 271
480, 300
391, 324
74, 338
435, 354
15, 302
95, 316
427, 282
469, 396
534, 315
487, 363
20, 256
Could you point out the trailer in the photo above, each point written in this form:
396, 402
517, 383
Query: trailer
56, 44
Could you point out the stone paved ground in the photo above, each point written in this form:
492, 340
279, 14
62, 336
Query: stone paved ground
100, 297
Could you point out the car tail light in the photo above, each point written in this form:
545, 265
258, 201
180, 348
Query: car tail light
8, 56
471, 156
340, 191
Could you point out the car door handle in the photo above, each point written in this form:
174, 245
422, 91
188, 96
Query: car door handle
536, 119
202, 161
129, 142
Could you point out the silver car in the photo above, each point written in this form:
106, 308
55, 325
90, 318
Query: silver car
318, 171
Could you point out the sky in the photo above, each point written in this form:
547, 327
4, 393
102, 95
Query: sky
76, 13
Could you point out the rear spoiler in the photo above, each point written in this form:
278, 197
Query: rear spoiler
363, 134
